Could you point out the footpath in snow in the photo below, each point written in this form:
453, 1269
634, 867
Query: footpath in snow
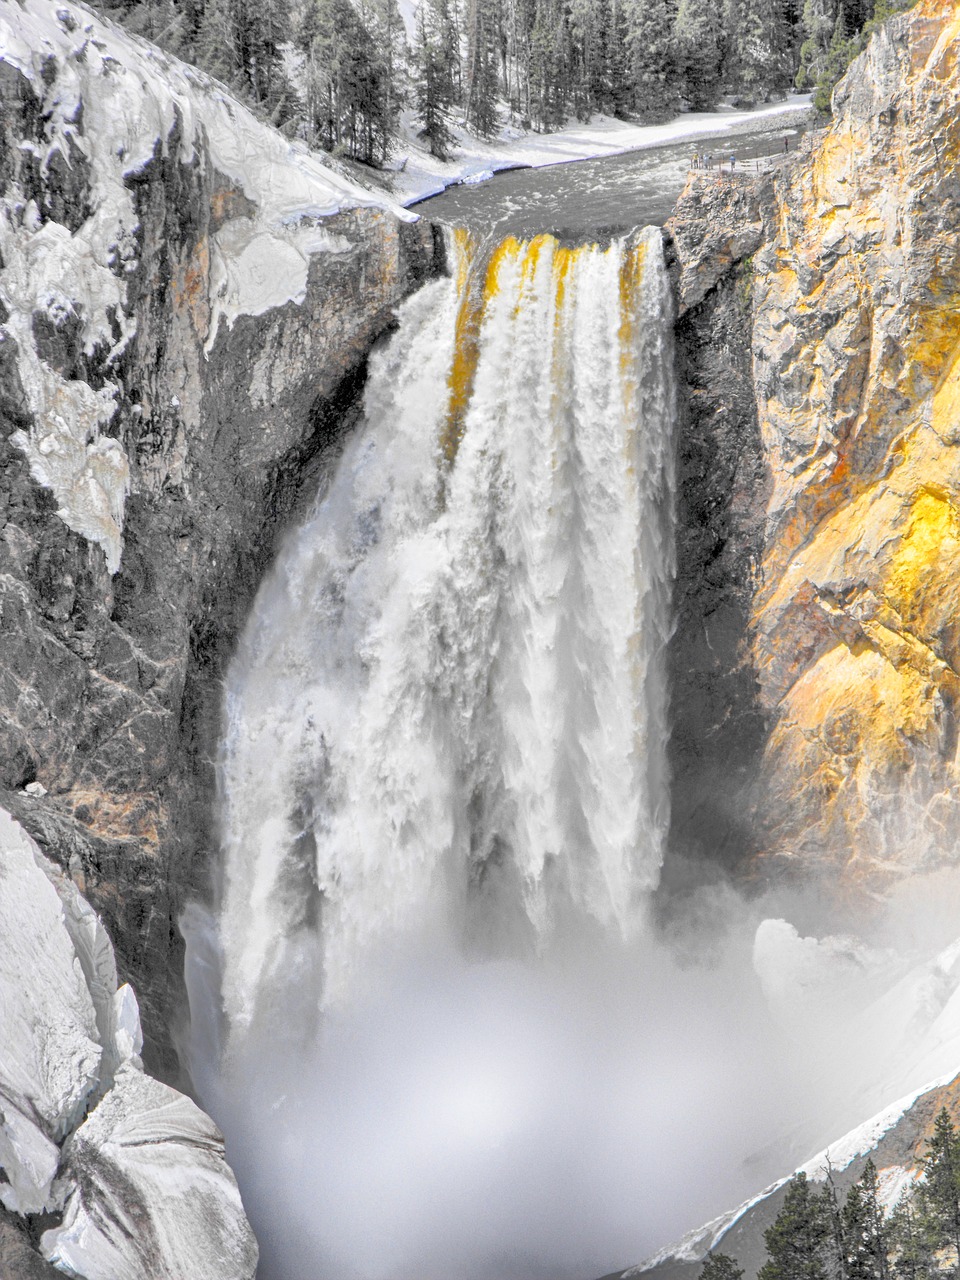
474, 160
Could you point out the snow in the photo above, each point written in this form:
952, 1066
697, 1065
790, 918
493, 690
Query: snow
151, 1195
110, 102
49, 1051
147, 1190
475, 160
116, 1009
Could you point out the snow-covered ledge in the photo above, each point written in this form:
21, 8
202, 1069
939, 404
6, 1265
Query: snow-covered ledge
83, 1131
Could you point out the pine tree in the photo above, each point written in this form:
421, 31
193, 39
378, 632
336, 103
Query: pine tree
938, 1193
758, 48
652, 56
349, 103
819, 20
720, 1266
239, 41
482, 83
843, 49
798, 1241
865, 1236
697, 36
911, 1255
434, 83
548, 75
589, 56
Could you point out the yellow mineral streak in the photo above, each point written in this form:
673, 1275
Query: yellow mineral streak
472, 303
631, 275
467, 329
563, 261
923, 580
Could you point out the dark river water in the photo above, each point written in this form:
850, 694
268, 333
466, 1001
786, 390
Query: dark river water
603, 197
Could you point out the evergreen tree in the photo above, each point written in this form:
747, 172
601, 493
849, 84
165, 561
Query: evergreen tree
865, 1237
652, 66
548, 75
911, 1257
590, 72
349, 105
720, 1266
843, 49
798, 1242
758, 45
434, 85
482, 81
239, 41
819, 20
697, 37
937, 1195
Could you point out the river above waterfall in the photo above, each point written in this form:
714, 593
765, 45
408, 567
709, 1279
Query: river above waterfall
608, 196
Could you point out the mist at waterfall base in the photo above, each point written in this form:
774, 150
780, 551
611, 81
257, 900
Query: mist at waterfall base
434, 1013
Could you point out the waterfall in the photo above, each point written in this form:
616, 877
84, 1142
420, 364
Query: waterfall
449, 704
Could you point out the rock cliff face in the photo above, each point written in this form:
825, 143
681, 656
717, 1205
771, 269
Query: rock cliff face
831, 518
187, 304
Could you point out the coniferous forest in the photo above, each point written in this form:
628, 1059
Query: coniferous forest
819, 1235
339, 72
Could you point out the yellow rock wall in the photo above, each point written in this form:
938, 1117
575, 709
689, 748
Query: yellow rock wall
856, 347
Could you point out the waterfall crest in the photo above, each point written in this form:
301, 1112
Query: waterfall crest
449, 703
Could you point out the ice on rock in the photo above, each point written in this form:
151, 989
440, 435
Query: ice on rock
152, 1195
50, 1051
117, 1012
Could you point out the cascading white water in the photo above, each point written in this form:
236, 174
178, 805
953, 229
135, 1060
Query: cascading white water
450, 701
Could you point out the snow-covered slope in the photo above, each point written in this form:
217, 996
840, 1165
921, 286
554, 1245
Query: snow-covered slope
111, 104
903, 1044
135, 1170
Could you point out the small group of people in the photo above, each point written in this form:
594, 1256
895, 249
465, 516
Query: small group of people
703, 161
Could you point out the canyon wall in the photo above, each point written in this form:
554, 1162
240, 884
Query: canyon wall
188, 303
817, 657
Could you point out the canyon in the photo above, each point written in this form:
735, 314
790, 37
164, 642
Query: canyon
189, 304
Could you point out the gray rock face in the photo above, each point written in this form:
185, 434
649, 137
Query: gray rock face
209, 393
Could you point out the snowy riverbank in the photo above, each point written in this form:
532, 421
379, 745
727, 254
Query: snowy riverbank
474, 160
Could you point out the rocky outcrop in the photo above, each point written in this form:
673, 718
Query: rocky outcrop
187, 304
842, 631
128, 1177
